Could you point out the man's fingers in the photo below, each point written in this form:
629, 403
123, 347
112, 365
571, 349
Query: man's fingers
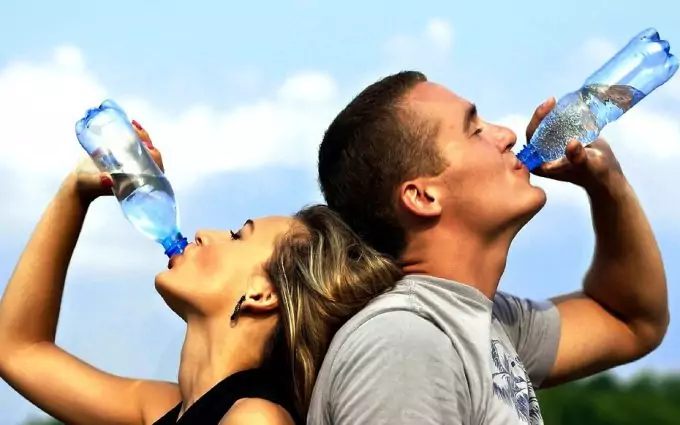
576, 153
540, 113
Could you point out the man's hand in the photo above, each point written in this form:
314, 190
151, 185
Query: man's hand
592, 167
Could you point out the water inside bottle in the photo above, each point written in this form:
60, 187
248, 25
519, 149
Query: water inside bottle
148, 202
581, 115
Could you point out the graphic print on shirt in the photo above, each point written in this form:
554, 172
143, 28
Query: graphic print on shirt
511, 385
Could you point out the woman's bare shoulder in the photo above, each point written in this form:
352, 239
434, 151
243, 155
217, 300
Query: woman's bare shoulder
256, 411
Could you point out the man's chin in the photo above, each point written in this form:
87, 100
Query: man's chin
541, 199
533, 203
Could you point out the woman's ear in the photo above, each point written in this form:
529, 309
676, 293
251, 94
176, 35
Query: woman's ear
260, 296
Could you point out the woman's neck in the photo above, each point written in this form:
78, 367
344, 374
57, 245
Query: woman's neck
214, 350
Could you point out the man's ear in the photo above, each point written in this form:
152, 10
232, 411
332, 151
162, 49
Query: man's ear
421, 197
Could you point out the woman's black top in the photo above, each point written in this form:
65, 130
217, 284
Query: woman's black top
252, 383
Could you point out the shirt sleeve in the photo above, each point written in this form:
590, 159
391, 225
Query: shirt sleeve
398, 369
534, 329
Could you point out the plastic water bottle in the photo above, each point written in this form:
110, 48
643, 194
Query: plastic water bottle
144, 194
644, 64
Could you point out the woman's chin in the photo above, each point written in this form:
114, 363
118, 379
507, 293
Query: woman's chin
169, 292
187, 300
161, 281
172, 300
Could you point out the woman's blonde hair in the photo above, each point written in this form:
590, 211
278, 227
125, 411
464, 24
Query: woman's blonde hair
324, 274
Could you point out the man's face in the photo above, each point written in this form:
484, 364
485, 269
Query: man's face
484, 188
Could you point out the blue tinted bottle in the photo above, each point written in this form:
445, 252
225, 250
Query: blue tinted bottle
143, 191
644, 64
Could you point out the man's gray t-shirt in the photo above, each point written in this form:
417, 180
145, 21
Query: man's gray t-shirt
433, 351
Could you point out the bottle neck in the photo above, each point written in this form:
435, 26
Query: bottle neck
530, 157
174, 245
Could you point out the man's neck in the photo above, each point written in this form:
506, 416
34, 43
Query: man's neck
471, 261
212, 351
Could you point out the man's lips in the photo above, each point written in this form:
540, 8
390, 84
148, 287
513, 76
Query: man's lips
513, 162
518, 164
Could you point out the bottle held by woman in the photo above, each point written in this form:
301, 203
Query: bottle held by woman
144, 193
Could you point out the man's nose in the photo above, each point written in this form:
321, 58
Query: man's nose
506, 138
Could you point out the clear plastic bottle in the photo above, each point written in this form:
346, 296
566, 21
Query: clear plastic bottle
644, 64
143, 191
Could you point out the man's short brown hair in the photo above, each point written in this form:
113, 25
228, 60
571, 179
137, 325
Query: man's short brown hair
370, 148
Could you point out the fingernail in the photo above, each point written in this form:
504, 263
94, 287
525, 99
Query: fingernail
546, 103
137, 125
106, 181
148, 144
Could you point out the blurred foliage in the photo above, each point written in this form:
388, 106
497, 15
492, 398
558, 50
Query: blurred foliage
607, 400
646, 399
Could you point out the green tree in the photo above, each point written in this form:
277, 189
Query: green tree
606, 400
42, 421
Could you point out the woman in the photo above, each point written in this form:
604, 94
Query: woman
261, 306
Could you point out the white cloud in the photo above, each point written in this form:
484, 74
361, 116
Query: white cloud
440, 34
282, 129
309, 88
43, 101
432, 44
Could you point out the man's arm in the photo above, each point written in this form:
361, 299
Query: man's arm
622, 313
398, 368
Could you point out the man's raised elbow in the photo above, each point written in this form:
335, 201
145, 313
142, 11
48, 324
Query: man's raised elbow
651, 335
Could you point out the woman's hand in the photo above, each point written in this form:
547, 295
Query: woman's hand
90, 183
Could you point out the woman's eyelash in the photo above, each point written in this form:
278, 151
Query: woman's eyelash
235, 235
479, 130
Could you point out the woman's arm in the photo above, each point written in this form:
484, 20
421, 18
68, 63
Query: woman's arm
57, 382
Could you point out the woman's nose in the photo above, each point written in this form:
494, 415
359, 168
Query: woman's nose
207, 237
201, 237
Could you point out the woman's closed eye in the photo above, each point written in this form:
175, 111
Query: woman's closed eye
235, 235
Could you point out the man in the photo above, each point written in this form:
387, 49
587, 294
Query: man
423, 178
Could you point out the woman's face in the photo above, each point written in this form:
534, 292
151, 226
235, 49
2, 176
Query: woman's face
222, 266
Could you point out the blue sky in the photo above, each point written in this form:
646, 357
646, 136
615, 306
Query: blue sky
237, 96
